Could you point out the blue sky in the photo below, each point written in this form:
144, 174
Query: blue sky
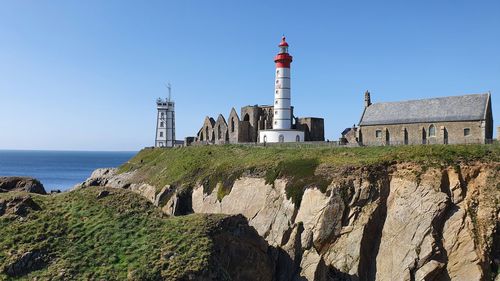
84, 75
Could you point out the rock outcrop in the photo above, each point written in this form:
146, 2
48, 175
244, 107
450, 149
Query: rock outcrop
387, 222
19, 206
26, 184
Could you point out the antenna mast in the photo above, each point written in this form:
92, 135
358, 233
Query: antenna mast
169, 87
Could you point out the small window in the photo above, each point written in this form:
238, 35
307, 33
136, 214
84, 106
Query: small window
161, 134
162, 114
281, 138
276, 91
277, 71
276, 112
277, 81
161, 124
297, 138
378, 133
276, 102
466, 132
265, 138
275, 122
432, 131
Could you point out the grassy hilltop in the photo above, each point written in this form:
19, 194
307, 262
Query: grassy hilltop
212, 165
118, 237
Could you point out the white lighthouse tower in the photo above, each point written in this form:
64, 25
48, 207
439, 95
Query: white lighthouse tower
165, 121
282, 121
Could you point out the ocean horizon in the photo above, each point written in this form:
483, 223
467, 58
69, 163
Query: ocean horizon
59, 169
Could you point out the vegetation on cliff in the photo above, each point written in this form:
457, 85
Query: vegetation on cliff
213, 165
78, 235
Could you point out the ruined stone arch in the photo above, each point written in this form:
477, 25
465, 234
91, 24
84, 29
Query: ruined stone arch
234, 125
207, 129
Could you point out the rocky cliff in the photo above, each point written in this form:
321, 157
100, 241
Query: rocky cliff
104, 234
385, 220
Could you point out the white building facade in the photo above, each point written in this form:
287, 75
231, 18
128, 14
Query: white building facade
282, 121
165, 123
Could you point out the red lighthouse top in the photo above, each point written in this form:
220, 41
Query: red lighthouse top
283, 59
283, 42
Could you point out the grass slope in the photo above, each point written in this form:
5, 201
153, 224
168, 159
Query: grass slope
118, 237
211, 165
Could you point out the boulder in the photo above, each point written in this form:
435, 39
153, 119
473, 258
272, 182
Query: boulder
26, 263
20, 206
26, 184
102, 194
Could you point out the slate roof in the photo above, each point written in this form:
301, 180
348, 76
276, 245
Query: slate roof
454, 108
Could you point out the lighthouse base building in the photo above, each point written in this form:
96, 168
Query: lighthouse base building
281, 136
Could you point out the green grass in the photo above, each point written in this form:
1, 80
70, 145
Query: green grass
210, 165
114, 238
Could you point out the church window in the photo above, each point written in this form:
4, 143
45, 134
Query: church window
161, 124
161, 134
432, 131
466, 132
232, 125
219, 132
378, 133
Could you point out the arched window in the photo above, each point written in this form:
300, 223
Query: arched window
432, 131
206, 133
281, 138
405, 136
246, 118
297, 138
387, 137
424, 136
219, 133
201, 136
265, 138
232, 125
213, 136
445, 136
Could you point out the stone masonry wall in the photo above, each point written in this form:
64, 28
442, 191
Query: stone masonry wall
455, 131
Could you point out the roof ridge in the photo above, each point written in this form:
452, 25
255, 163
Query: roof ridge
434, 98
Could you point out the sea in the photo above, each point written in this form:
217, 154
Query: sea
58, 169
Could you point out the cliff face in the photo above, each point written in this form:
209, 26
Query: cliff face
381, 222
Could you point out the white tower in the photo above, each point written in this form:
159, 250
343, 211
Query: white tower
165, 121
282, 121
282, 110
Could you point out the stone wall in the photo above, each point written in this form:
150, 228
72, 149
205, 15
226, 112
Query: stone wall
313, 128
395, 134
233, 123
221, 131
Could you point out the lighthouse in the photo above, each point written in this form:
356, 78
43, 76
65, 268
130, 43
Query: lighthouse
282, 121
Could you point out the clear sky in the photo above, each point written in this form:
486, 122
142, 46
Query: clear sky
85, 75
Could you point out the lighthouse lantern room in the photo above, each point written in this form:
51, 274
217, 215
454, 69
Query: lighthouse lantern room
282, 121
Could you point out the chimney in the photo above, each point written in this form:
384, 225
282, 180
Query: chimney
368, 100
